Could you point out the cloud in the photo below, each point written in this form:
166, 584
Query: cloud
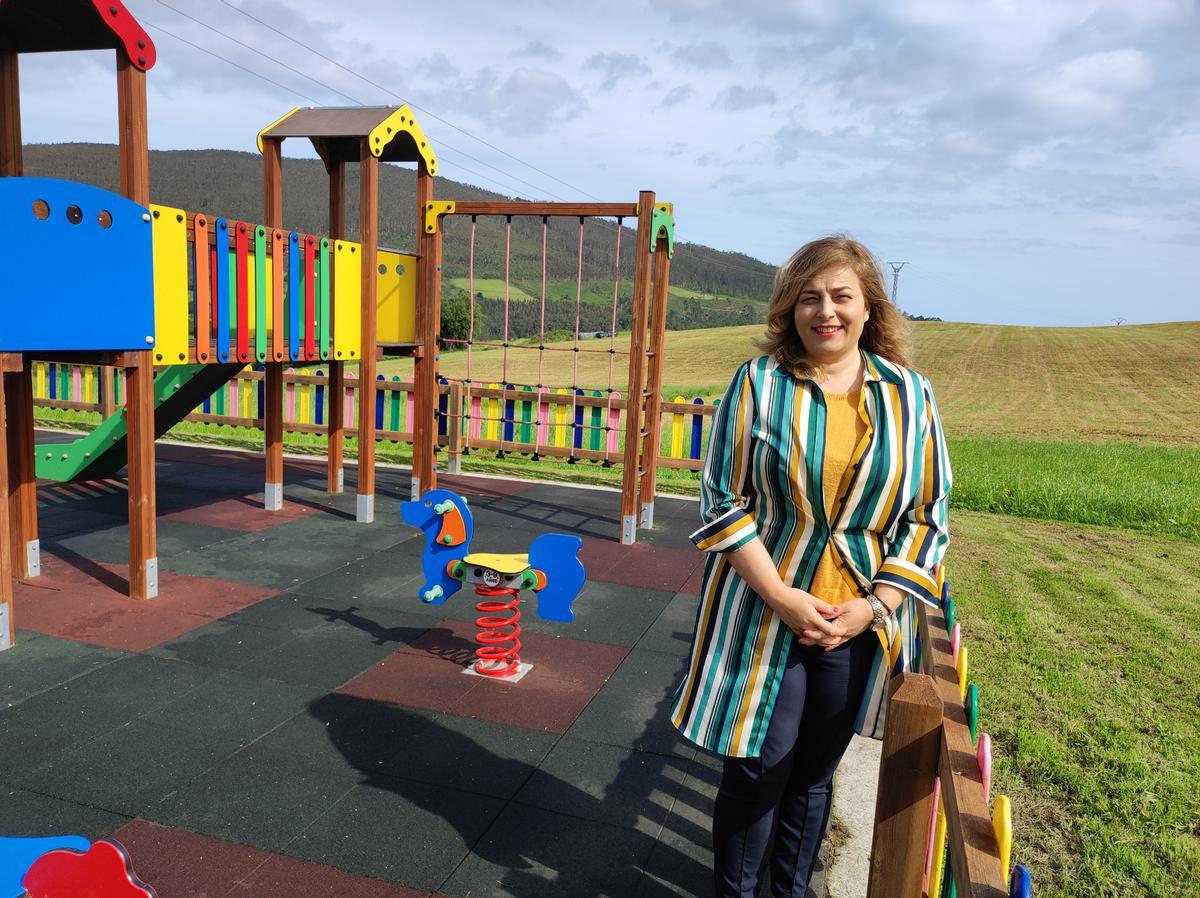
538, 50
705, 55
525, 101
616, 67
737, 98
677, 95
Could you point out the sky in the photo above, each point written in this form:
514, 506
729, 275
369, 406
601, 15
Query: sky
1033, 163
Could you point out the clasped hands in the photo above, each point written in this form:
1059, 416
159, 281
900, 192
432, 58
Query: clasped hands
816, 622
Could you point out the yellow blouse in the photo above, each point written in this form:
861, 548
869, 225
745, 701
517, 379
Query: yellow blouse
844, 427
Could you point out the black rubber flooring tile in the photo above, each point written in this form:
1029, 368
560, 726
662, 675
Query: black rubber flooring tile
607, 784
235, 706
390, 576
111, 544
604, 612
672, 632
632, 710
668, 532
47, 725
533, 853
402, 832
36, 663
66, 521
257, 797
308, 614
327, 660
475, 756
131, 768
221, 645
28, 814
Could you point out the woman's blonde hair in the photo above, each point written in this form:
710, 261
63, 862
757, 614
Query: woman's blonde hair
885, 332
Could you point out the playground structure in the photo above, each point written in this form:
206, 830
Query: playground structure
551, 568
68, 867
199, 296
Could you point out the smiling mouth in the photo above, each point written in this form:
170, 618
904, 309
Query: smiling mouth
827, 331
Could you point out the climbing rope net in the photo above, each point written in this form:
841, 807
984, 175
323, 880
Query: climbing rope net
487, 403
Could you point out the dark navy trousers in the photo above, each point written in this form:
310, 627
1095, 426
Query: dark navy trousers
774, 808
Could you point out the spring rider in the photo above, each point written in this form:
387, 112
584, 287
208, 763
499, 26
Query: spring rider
551, 569
67, 867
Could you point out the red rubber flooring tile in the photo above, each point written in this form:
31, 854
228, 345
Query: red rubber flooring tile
182, 864
650, 567
242, 513
428, 674
695, 582
88, 602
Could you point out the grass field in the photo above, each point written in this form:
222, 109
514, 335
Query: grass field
1086, 644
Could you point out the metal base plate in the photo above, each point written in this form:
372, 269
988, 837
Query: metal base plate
628, 530
647, 515
33, 557
522, 669
152, 578
415, 491
366, 510
5, 642
273, 496
339, 480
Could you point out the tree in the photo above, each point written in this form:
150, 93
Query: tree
456, 317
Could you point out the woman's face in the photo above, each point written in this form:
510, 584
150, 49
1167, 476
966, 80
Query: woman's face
830, 314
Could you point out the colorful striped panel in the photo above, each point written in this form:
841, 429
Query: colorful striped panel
221, 295
170, 284
262, 279
323, 290
278, 320
203, 324
295, 299
347, 300
310, 298
240, 241
396, 300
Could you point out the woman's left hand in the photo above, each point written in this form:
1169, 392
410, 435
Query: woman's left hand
855, 614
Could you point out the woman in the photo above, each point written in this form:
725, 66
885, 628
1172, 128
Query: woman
824, 495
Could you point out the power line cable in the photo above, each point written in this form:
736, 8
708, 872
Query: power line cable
423, 109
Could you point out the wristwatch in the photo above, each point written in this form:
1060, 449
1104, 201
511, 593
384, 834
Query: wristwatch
879, 611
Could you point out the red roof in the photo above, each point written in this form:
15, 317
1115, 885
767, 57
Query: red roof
46, 26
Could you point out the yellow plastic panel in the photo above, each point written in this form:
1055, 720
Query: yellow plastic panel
347, 300
396, 298
170, 285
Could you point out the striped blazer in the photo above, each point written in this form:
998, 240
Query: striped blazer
762, 478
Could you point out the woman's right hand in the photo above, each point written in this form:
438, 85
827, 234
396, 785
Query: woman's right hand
808, 617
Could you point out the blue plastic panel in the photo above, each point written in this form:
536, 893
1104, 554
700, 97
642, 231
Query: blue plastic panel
70, 282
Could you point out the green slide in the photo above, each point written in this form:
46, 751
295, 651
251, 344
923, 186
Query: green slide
177, 391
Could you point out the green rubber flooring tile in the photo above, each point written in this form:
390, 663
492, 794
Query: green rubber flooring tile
221, 644
241, 513
111, 544
27, 814
389, 576
672, 631
607, 784
632, 710
475, 756
325, 660
36, 663
130, 768
668, 534
48, 724
300, 879
604, 612
301, 613
68, 521
257, 797
403, 832
235, 706
534, 853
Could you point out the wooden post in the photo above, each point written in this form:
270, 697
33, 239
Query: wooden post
454, 426
273, 381
336, 423
368, 235
106, 388
654, 376
429, 314
7, 625
21, 492
631, 475
911, 741
139, 377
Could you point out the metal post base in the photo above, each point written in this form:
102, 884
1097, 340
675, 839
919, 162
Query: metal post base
273, 496
152, 578
628, 530
5, 641
339, 482
415, 492
33, 558
647, 514
453, 464
366, 509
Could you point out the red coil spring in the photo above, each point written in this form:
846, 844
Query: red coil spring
499, 637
